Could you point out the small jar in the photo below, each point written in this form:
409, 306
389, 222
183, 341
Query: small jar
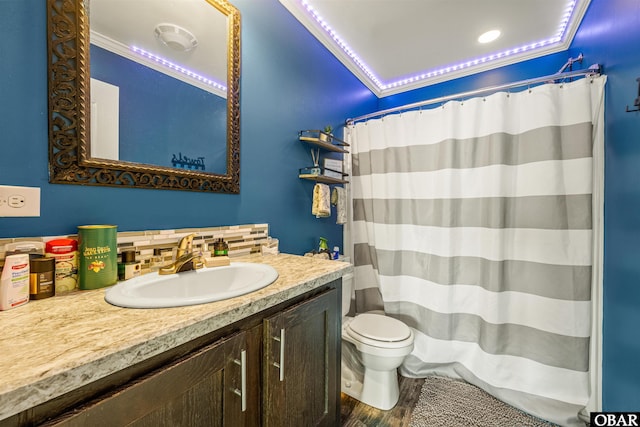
128, 267
220, 248
41, 278
65, 254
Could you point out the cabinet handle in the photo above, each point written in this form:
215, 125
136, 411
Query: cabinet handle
280, 365
243, 379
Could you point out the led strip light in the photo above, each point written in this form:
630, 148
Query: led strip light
165, 63
557, 38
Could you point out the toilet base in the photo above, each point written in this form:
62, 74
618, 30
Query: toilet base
375, 388
380, 389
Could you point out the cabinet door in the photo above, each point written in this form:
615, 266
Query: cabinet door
302, 364
203, 389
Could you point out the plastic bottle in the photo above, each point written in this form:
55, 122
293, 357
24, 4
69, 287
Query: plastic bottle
14, 282
336, 253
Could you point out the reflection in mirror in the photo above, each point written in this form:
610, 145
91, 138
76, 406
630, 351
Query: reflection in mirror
145, 56
153, 125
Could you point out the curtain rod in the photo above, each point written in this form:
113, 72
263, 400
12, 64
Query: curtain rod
593, 70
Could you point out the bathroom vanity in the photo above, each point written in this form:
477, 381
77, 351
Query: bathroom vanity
271, 357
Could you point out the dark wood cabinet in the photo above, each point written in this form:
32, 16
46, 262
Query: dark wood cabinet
302, 364
280, 368
208, 388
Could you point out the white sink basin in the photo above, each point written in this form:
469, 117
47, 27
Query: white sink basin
191, 287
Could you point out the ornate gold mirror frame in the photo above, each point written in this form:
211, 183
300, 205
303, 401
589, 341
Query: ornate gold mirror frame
69, 101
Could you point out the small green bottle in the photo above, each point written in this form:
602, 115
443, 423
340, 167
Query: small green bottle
323, 244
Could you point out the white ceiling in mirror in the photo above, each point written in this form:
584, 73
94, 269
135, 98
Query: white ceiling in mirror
397, 45
128, 28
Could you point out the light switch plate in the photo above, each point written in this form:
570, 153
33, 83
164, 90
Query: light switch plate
19, 201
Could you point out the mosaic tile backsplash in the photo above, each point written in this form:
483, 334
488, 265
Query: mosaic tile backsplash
242, 240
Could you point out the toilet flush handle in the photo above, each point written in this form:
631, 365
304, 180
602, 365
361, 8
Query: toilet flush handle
280, 365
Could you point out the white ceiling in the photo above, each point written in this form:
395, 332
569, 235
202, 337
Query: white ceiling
392, 46
117, 25
398, 45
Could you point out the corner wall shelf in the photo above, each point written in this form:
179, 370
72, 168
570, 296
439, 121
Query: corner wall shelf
323, 140
305, 173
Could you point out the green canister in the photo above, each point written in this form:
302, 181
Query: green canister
98, 256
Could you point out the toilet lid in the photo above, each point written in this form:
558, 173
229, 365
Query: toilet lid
380, 328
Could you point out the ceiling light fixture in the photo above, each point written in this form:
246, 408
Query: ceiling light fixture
489, 36
176, 37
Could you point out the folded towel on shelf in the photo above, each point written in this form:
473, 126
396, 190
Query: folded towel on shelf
321, 203
339, 200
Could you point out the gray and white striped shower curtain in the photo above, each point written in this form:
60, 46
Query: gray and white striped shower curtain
476, 223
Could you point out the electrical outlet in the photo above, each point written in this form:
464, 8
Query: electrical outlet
19, 201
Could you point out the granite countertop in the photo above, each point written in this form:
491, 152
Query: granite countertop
52, 346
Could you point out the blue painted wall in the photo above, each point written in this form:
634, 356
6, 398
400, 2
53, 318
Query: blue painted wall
153, 126
609, 35
289, 82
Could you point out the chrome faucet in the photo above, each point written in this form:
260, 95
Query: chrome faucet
186, 259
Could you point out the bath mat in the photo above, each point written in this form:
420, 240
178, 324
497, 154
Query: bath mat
446, 402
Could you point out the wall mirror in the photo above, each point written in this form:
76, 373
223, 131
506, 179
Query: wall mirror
144, 94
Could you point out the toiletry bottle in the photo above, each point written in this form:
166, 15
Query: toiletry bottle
336, 253
128, 267
14, 281
323, 246
42, 278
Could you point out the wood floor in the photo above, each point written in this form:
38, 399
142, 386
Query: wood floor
357, 414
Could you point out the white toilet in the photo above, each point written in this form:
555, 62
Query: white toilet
373, 347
